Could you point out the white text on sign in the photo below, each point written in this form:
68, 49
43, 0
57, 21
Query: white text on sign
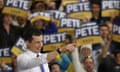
22, 4
70, 23
79, 7
111, 4
87, 31
54, 38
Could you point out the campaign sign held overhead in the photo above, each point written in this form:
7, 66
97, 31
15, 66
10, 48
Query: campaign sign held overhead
88, 33
17, 7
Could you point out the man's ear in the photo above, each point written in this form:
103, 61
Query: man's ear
27, 42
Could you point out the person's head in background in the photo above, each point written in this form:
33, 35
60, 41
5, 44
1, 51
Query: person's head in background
52, 5
89, 64
21, 21
39, 6
7, 19
96, 10
39, 24
55, 67
1, 4
68, 39
85, 50
104, 31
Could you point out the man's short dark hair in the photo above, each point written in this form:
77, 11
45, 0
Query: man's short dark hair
115, 52
69, 37
30, 32
54, 64
103, 25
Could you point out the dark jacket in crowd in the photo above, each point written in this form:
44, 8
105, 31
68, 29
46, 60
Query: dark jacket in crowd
8, 40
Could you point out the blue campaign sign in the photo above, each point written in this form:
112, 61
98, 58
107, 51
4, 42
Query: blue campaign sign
69, 23
5, 55
88, 34
19, 47
54, 38
17, 7
39, 15
57, 14
79, 10
78, 7
116, 30
5, 52
53, 41
110, 7
22, 4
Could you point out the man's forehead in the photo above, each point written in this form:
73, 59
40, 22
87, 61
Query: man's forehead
37, 36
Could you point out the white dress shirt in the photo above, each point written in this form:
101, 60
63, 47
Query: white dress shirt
29, 62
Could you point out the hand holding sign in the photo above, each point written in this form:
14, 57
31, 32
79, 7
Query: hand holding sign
2, 65
68, 48
53, 41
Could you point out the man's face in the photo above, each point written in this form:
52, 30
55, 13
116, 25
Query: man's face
39, 7
95, 9
89, 65
104, 31
36, 44
55, 68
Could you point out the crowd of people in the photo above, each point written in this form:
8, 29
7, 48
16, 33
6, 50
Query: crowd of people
102, 57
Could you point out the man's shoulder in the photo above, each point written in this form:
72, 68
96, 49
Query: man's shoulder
23, 55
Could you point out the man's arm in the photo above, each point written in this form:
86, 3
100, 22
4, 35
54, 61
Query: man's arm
26, 62
106, 47
52, 55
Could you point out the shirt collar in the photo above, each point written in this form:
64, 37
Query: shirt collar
31, 53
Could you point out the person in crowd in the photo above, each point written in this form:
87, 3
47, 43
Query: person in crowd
39, 24
32, 60
22, 23
8, 36
38, 6
89, 64
46, 26
55, 67
8, 33
64, 61
108, 63
85, 50
81, 61
96, 13
1, 8
50, 28
104, 31
52, 5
